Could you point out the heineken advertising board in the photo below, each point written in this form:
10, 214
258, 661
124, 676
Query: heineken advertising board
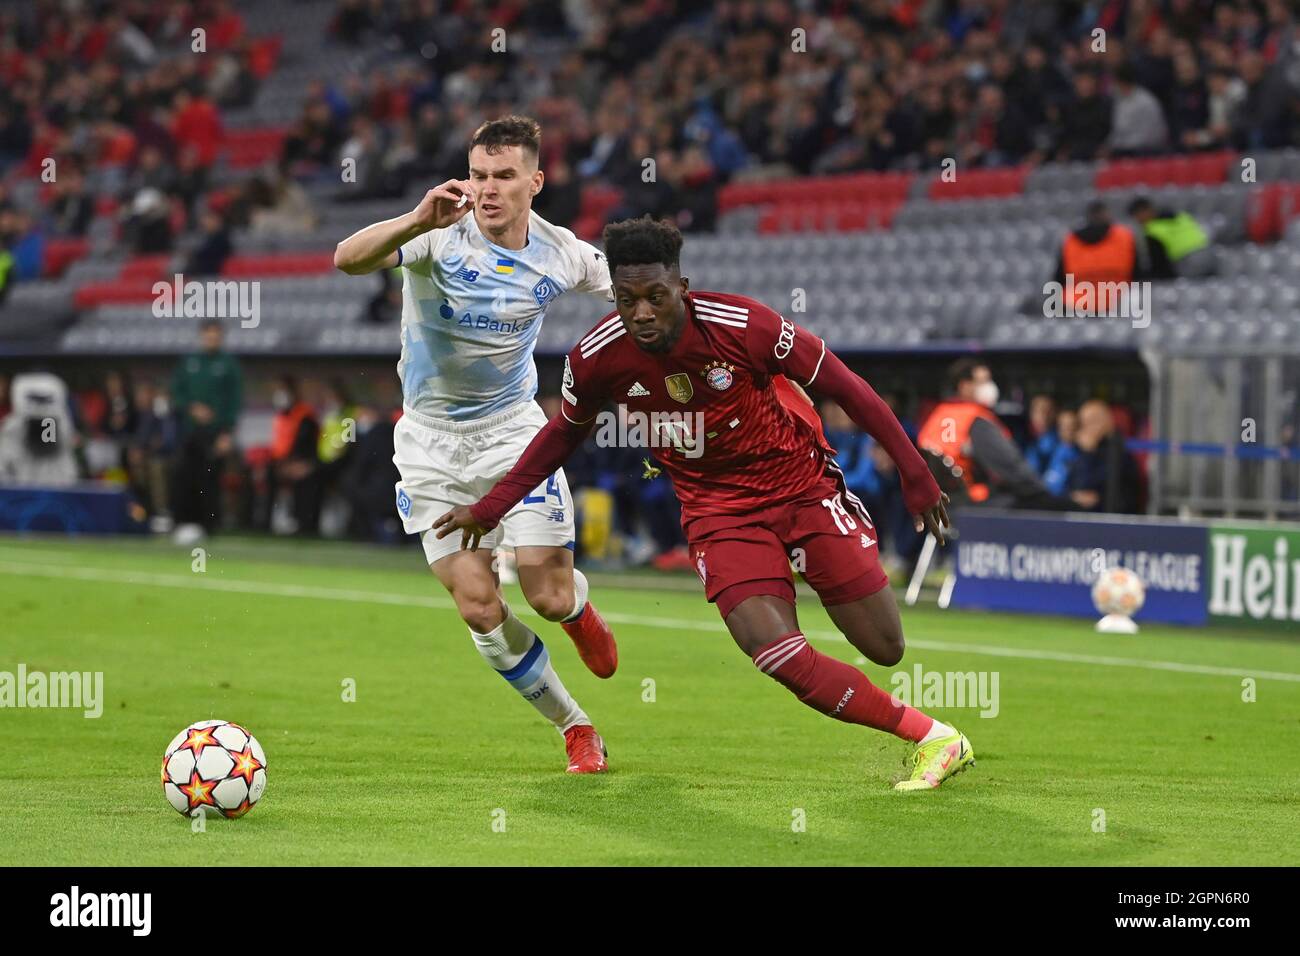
1254, 575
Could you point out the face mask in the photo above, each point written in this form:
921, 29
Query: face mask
280, 401
986, 393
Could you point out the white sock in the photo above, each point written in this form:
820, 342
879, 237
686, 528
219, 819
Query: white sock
519, 656
580, 591
939, 729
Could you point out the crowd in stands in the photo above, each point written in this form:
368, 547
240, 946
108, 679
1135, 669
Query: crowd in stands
716, 91
110, 109
709, 91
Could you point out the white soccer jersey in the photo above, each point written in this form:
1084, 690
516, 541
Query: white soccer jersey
472, 310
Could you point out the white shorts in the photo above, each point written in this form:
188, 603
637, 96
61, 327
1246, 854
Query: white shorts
445, 463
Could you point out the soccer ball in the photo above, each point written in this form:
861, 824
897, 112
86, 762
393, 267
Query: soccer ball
213, 767
1118, 591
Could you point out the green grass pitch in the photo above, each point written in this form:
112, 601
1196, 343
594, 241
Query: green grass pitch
1152, 730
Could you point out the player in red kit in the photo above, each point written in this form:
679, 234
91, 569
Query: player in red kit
713, 374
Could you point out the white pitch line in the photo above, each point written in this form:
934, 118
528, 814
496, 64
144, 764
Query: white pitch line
194, 582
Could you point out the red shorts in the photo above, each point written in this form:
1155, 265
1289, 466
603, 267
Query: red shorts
825, 534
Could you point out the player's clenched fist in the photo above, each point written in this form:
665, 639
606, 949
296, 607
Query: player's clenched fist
461, 519
445, 204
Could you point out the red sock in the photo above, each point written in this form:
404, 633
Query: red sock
837, 690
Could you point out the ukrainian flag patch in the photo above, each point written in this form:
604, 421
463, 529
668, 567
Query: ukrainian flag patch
504, 267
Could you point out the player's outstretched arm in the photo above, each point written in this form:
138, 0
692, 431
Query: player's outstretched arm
548, 450
375, 247
869, 412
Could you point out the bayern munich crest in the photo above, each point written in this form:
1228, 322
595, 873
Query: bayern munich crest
719, 375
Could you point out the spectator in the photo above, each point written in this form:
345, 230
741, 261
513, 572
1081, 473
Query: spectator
386, 304
25, 242
561, 197
1190, 106
1138, 123
1260, 121
369, 477
1176, 243
6, 269
311, 145
196, 124
146, 222
1104, 476
214, 248
1226, 94
1057, 468
1086, 122
1043, 437
149, 449
207, 393
73, 207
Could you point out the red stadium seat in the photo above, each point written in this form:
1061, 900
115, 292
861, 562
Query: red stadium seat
144, 267
980, 184
61, 253
877, 188
114, 292
828, 215
1205, 169
283, 264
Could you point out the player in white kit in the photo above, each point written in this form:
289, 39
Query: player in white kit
480, 268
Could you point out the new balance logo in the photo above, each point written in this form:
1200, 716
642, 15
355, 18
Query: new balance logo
637, 391
469, 275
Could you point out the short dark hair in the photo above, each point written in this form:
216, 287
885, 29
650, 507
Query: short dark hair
1140, 204
963, 370
498, 134
635, 242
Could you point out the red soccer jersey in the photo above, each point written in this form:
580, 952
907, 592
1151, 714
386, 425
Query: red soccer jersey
724, 432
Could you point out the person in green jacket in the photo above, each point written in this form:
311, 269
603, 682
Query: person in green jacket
1176, 243
207, 394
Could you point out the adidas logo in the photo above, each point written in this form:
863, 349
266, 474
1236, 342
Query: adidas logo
637, 391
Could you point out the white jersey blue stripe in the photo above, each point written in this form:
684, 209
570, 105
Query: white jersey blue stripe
472, 311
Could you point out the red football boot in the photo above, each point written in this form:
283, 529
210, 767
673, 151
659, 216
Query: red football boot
586, 750
594, 641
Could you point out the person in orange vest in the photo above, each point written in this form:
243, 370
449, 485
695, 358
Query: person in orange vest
295, 434
1094, 256
965, 429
